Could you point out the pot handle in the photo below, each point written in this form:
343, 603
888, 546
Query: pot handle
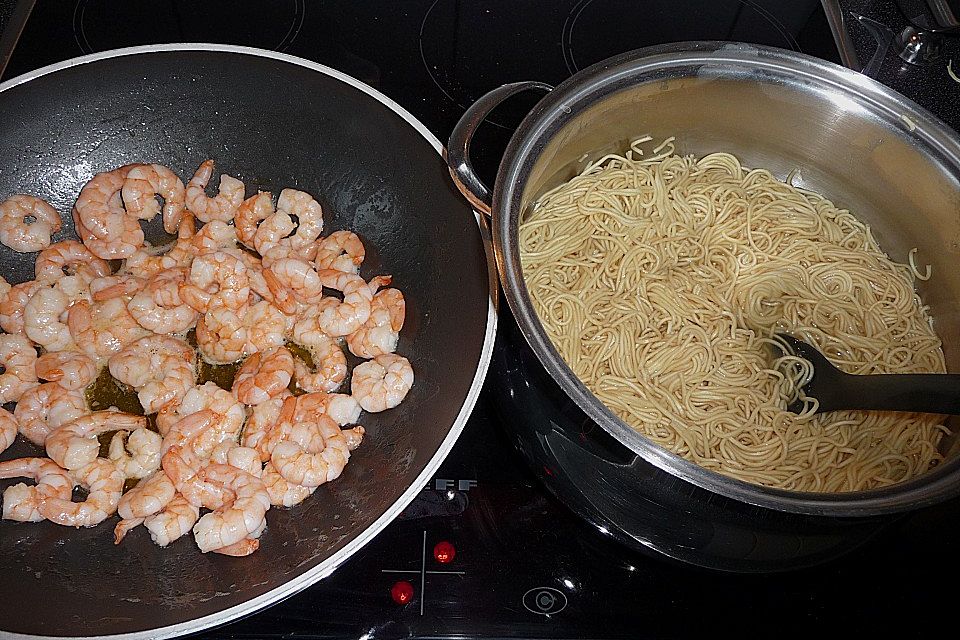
458, 147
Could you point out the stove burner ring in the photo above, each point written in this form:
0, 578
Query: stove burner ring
578, 9
82, 11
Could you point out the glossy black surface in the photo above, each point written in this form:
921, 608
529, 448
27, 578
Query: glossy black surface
373, 173
435, 57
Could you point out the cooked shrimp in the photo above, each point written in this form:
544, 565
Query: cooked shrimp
239, 519
216, 278
119, 286
101, 329
142, 186
13, 304
330, 363
254, 265
280, 295
321, 433
229, 415
260, 433
246, 546
104, 482
21, 502
69, 258
298, 464
380, 333
221, 334
282, 492
72, 369
8, 429
42, 320
132, 364
46, 407
250, 214
284, 250
75, 444
243, 458
118, 245
298, 277
173, 521
159, 307
263, 375
148, 261
214, 236
18, 359
99, 207
27, 222
279, 225
341, 318
160, 368
267, 327
149, 497
381, 383
221, 207
341, 251
308, 213
4, 288
343, 408
138, 455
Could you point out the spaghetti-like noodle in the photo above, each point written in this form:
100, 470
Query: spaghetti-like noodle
662, 282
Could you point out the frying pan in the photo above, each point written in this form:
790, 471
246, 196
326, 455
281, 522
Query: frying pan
274, 121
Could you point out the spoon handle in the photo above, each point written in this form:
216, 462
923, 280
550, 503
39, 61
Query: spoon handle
911, 392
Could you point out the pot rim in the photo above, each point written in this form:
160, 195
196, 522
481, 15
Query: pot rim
604, 78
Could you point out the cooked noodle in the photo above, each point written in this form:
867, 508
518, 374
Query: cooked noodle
662, 281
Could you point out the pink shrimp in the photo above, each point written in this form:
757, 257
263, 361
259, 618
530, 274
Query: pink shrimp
216, 278
268, 423
27, 222
8, 429
263, 375
13, 304
18, 359
21, 502
250, 214
45, 408
71, 369
160, 368
330, 366
381, 332
75, 444
342, 251
103, 328
381, 383
221, 207
221, 334
70, 258
149, 497
142, 186
159, 306
238, 519
267, 327
118, 286
122, 245
341, 318
104, 484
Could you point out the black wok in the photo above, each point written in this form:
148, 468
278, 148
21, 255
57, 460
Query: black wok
274, 121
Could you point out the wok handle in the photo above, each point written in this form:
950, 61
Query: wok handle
458, 147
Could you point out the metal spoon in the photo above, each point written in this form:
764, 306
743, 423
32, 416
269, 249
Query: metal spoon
912, 392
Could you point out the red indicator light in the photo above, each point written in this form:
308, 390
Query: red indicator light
444, 552
401, 592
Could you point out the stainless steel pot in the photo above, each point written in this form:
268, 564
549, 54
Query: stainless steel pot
838, 132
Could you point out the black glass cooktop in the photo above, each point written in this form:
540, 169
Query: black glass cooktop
485, 551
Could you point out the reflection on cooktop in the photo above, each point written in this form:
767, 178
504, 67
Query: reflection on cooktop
99, 25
